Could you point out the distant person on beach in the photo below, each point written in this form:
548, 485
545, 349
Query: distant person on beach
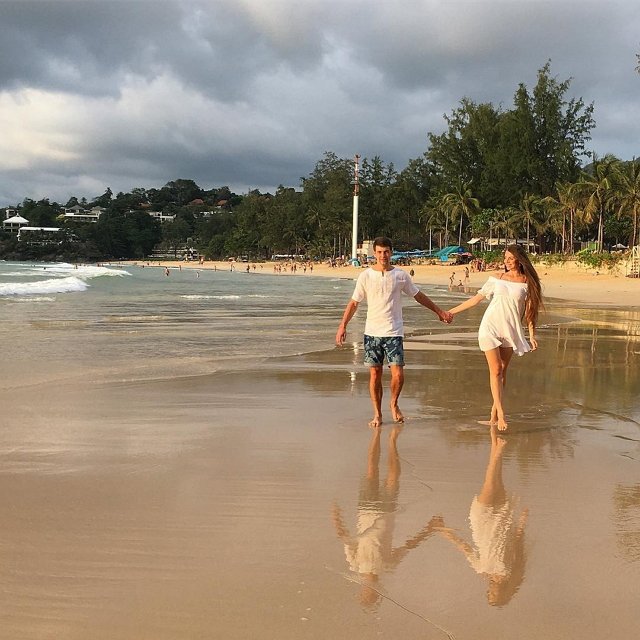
166, 271
497, 530
515, 295
382, 286
370, 551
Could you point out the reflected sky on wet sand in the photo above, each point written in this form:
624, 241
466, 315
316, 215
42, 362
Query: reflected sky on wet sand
255, 502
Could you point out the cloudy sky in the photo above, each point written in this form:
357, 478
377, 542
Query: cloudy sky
251, 93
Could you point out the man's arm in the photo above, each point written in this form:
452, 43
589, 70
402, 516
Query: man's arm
426, 301
349, 311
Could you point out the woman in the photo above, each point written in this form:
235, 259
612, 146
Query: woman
515, 295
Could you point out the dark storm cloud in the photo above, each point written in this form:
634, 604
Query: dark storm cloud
251, 93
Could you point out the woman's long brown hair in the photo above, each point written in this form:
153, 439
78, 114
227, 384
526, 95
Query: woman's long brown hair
533, 302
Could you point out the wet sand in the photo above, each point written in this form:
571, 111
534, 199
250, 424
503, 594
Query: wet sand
219, 506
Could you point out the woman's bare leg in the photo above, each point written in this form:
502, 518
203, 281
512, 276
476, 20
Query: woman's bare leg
505, 356
496, 376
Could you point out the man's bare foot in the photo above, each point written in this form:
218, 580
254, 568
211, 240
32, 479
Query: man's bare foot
396, 414
376, 422
502, 424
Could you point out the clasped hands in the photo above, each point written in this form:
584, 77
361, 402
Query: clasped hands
445, 316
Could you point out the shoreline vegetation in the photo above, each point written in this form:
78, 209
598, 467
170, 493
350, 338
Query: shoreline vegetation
568, 280
494, 172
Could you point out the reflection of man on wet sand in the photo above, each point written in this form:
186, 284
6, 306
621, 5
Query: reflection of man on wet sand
498, 552
370, 551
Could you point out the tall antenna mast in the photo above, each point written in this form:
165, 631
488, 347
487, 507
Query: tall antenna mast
356, 192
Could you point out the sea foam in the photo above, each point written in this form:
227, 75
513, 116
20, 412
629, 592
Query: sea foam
43, 287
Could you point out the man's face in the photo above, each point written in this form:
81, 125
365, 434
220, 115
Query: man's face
383, 256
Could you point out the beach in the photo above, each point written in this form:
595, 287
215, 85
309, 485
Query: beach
187, 456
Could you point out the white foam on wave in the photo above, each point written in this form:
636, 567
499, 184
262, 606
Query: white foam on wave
86, 271
210, 297
43, 287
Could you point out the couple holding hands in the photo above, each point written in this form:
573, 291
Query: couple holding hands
514, 296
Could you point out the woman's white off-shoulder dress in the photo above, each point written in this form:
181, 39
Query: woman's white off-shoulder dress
501, 324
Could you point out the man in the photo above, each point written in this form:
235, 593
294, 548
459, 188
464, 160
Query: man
382, 286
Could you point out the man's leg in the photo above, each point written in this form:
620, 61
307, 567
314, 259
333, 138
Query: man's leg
397, 382
375, 391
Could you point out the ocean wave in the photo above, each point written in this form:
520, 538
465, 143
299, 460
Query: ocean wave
210, 297
34, 299
85, 271
43, 287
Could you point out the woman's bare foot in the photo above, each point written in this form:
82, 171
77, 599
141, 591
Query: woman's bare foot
502, 424
376, 422
396, 414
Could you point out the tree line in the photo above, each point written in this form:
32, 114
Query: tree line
518, 173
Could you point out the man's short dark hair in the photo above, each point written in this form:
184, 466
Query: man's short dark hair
382, 241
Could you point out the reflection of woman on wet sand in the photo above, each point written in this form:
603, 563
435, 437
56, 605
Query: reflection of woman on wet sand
515, 295
498, 537
370, 551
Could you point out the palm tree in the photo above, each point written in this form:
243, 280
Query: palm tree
460, 203
435, 220
596, 191
628, 195
530, 214
561, 208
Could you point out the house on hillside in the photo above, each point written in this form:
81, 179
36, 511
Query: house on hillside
78, 213
14, 223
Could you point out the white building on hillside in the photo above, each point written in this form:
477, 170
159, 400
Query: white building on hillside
80, 214
14, 224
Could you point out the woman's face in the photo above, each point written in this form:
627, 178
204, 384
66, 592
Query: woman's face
510, 261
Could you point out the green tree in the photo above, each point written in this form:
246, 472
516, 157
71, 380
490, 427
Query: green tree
530, 214
42, 213
376, 180
467, 151
175, 234
543, 137
328, 202
627, 196
104, 200
460, 204
596, 191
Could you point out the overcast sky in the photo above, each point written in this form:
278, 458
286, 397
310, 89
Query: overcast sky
251, 93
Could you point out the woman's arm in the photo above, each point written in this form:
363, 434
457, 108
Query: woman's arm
467, 304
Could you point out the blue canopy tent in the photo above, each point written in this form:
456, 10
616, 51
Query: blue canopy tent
452, 249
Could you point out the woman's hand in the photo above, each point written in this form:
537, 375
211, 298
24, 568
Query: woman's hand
534, 343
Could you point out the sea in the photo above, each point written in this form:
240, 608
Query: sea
114, 322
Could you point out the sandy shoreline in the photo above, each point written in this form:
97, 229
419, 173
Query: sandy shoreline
569, 281
230, 504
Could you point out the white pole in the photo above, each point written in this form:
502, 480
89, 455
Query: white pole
356, 191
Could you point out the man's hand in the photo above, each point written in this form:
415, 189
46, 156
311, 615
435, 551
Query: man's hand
341, 335
445, 316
